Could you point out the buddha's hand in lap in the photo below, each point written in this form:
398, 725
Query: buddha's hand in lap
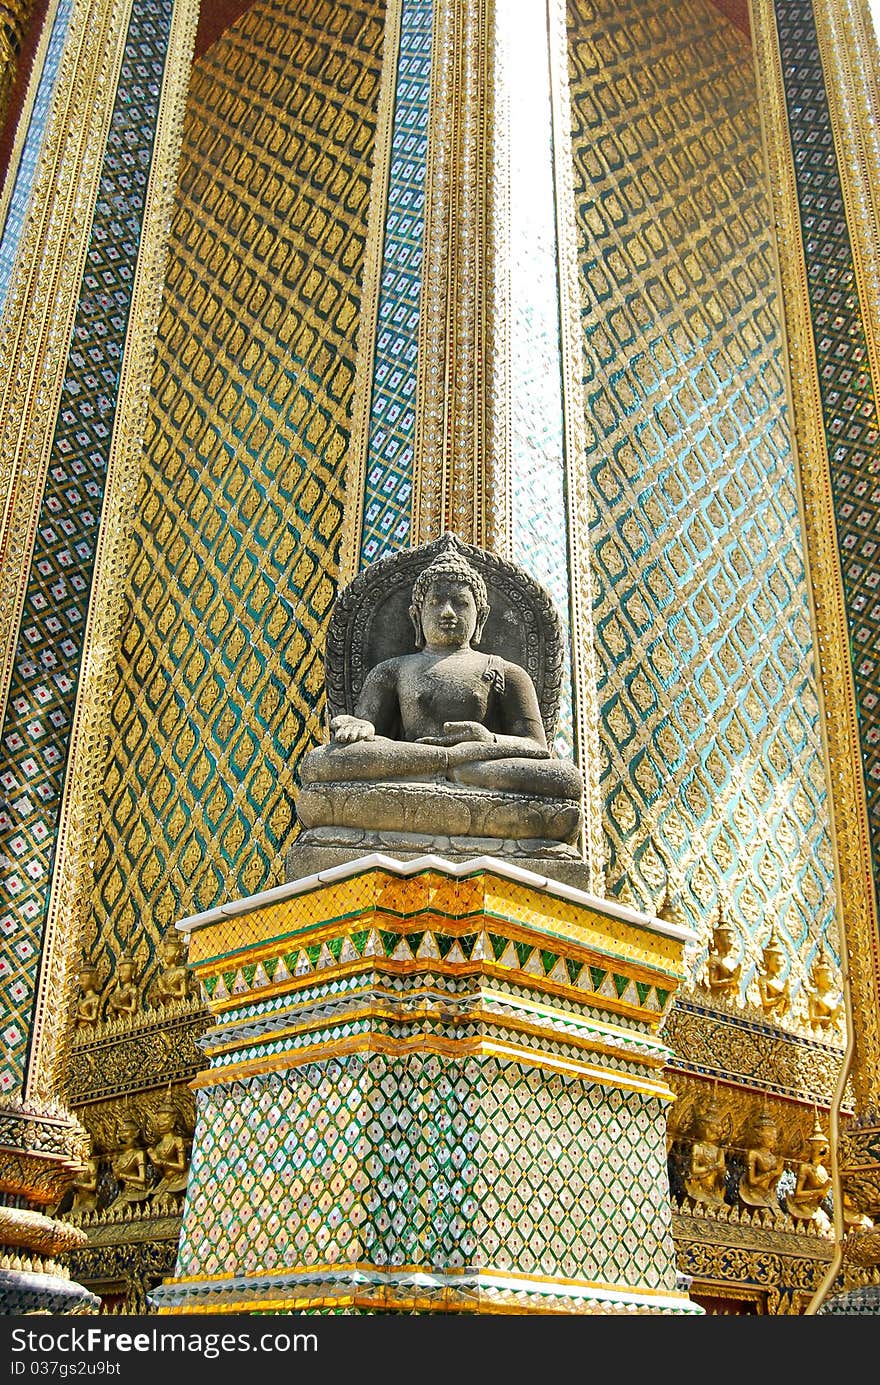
346, 729
458, 732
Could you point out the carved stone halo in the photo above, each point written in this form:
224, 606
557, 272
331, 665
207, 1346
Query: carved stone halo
370, 623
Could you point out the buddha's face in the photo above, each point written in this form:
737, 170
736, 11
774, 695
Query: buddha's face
448, 614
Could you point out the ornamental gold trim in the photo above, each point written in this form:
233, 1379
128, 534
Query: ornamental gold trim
455, 466
44, 291
77, 823
584, 675
368, 1044
358, 452
24, 119
857, 921
849, 56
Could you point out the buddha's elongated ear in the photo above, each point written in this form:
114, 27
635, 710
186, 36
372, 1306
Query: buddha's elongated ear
482, 617
415, 615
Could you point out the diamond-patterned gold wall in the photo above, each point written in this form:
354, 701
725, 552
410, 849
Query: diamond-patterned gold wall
709, 715
235, 551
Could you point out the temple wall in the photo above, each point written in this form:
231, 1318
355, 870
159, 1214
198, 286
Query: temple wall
712, 762
235, 550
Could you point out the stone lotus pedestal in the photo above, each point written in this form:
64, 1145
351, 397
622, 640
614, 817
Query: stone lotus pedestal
432, 1088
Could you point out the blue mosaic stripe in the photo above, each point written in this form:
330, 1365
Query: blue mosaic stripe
388, 489
34, 740
849, 407
27, 168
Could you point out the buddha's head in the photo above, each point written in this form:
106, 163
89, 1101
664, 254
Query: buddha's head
722, 938
449, 602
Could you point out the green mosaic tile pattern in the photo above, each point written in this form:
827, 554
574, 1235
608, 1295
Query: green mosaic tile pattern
430, 1161
34, 740
848, 403
709, 715
219, 686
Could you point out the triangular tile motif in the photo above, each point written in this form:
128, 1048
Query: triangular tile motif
303, 965
414, 940
428, 950
607, 987
229, 980
359, 940
335, 946
643, 988
455, 953
559, 973
651, 1001
444, 943
597, 975
348, 952
630, 994
248, 972
482, 948
498, 945
549, 960
373, 946
509, 957
389, 941
325, 958
239, 985
534, 966
574, 969
662, 997
402, 951
313, 952
260, 976
466, 943
281, 972
210, 984
620, 985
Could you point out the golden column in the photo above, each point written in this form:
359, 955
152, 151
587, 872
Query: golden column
41, 1142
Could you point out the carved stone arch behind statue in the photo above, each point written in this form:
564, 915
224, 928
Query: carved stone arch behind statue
370, 622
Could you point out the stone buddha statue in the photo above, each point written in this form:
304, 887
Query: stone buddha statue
447, 738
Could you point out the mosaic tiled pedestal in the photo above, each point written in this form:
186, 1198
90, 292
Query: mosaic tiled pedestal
432, 1088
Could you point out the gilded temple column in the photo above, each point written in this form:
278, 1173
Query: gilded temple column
83, 296
820, 118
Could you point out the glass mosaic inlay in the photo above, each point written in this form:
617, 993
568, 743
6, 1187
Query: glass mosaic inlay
388, 490
35, 732
709, 722
848, 402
